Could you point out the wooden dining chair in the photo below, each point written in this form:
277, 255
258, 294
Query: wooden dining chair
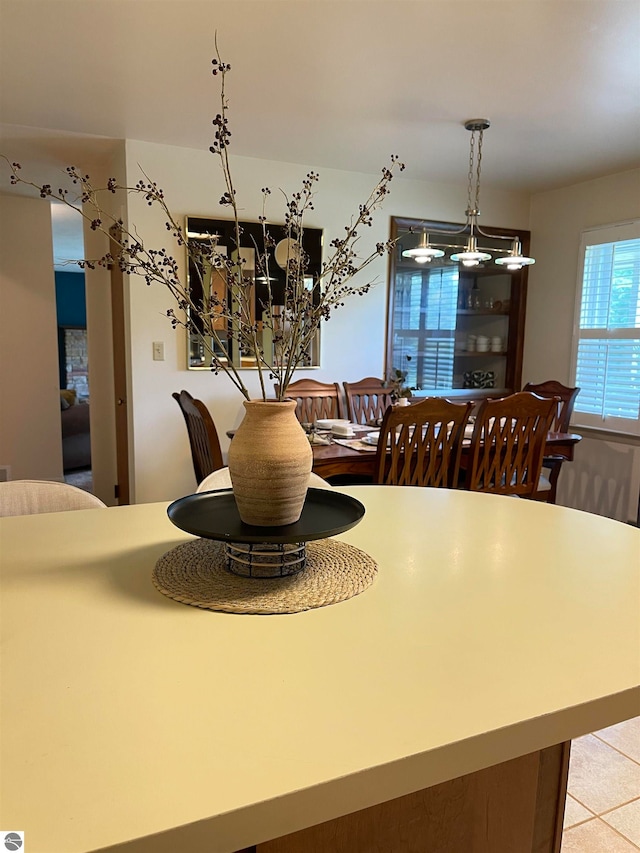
203, 436
315, 399
551, 464
420, 445
367, 400
507, 444
566, 398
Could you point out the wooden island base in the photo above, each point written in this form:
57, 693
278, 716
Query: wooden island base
514, 807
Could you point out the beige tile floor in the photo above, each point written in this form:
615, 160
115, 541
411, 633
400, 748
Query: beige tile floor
602, 813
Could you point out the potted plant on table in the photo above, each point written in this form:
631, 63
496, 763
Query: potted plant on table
396, 380
270, 458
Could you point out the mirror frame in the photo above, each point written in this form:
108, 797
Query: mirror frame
252, 240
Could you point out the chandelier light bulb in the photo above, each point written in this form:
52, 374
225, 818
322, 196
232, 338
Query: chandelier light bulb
471, 256
423, 253
515, 260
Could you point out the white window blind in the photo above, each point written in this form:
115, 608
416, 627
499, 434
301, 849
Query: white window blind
607, 330
424, 326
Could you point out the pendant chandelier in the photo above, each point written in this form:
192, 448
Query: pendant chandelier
472, 254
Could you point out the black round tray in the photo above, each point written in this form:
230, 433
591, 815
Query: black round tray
214, 515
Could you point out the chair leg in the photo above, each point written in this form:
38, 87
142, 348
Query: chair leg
549, 496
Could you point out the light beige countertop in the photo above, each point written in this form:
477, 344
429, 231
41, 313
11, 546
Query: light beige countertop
495, 627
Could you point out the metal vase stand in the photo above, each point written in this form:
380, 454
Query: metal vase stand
265, 552
266, 559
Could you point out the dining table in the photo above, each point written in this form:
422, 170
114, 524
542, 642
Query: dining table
432, 711
354, 457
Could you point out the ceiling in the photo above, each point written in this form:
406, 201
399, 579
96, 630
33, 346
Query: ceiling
332, 83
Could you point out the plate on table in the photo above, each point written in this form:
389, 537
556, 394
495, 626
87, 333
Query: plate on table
372, 438
330, 423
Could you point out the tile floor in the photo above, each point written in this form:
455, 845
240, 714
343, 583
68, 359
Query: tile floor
602, 813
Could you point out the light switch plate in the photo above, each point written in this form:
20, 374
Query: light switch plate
158, 350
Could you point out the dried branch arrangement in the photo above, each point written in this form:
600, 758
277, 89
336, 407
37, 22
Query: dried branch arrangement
232, 319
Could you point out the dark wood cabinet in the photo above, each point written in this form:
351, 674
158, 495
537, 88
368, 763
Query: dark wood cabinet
451, 327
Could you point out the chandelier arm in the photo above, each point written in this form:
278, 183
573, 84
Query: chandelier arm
494, 249
451, 233
455, 246
440, 230
492, 236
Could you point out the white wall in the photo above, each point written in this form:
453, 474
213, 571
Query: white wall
604, 476
352, 341
557, 220
30, 429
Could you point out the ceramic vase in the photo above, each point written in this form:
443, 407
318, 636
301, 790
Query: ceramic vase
270, 460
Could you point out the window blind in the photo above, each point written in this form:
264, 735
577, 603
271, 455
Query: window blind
607, 332
424, 326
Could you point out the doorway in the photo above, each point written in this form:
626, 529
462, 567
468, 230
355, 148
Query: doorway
73, 368
107, 473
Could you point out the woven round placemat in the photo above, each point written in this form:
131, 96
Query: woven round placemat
195, 573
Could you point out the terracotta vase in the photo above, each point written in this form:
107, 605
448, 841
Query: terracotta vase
270, 460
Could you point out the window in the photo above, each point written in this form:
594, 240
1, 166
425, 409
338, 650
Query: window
607, 329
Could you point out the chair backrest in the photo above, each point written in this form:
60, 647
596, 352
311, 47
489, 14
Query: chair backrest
30, 497
367, 400
567, 398
203, 436
221, 479
315, 399
420, 445
507, 444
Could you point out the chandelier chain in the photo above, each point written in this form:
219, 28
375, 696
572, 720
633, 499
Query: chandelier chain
475, 161
479, 166
470, 173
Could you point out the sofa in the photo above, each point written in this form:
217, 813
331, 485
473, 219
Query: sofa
76, 437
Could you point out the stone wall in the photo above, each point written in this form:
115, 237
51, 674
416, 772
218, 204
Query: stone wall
77, 361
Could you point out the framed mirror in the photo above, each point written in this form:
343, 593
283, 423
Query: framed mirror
208, 283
